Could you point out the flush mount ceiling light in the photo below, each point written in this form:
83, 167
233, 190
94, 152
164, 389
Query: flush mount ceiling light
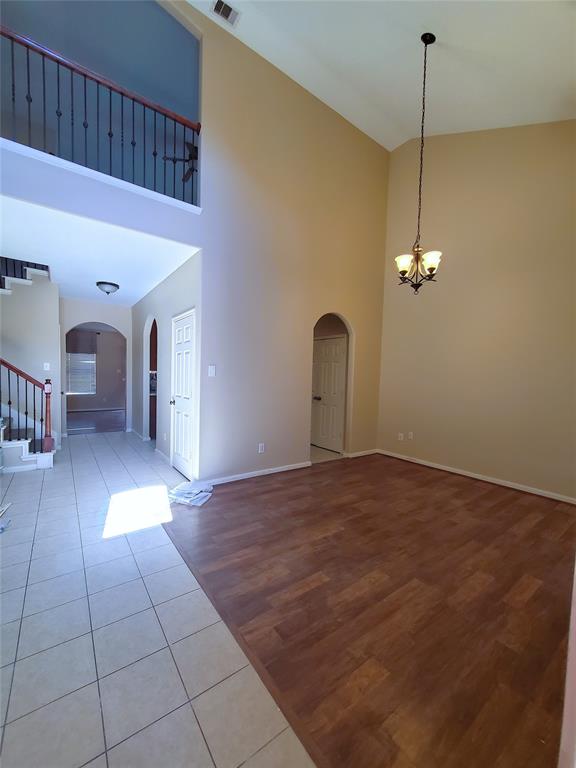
418, 267
107, 287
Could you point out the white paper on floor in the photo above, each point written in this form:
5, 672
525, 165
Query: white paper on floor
194, 494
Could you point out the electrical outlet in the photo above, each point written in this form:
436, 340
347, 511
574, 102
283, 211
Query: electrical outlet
261, 447
400, 435
410, 435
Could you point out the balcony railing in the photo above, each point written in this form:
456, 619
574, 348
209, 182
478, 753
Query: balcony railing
58, 106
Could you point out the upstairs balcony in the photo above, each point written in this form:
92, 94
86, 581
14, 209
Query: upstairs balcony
57, 106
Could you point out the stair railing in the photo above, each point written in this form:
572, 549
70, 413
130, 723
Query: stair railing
55, 105
26, 408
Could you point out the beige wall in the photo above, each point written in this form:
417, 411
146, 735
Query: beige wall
292, 227
30, 333
481, 365
180, 292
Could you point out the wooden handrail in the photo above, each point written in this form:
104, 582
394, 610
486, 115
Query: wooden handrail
20, 373
79, 69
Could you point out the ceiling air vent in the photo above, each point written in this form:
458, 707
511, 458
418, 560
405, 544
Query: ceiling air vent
225, 11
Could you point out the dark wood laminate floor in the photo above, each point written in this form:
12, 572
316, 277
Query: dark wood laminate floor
402, 616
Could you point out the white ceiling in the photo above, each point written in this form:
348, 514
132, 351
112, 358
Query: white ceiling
495, 63
80, 251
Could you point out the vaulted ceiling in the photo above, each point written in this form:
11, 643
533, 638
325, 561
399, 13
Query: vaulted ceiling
495, 64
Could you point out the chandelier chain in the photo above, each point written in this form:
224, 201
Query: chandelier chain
417, 241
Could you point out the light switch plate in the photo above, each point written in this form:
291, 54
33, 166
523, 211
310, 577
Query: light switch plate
46, 366
211, 371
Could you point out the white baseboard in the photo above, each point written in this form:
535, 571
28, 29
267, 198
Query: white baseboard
162, 455
484, 478
356, 454
259, 472
144, 439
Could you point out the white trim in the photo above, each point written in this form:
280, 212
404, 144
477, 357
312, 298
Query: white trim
356, 454
16, 281
163, 456
5, 292
33, 271
259, 472
103, 178
484, 478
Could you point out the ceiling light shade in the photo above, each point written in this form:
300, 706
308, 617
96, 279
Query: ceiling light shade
107, 287
430, 262
418, 267
405, 264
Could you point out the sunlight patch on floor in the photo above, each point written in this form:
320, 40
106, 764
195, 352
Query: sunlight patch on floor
137, 509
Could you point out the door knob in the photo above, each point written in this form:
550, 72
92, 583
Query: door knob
172, 402
316, 397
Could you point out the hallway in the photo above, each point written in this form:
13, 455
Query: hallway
111, 653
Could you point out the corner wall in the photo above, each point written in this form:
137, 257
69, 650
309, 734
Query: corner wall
481, 365
292, 227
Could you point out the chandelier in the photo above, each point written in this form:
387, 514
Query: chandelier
418, 267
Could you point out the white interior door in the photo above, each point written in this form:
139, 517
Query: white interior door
329, 392
183, 400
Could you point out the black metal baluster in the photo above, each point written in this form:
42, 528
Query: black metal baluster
9, 406
97, 126
13, 89
155, 153
185, 167
44, 102
34, 415
85, 124
72, 113
58, 110
174, 162
144, 140
18, 406
26, 409
41, 421
164, 184
133, 143
28, 97
110, 133
122, 135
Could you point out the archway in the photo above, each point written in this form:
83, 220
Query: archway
149, 378
95, 379
329, 388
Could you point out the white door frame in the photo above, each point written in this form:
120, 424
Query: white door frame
347, 380
146, 378
196, 405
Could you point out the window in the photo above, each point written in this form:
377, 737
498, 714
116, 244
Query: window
80, 373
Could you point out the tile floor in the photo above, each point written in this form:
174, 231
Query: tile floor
111, 654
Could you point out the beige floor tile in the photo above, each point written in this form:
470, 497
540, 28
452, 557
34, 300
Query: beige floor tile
173, 582
11, 605
111, 574
8, 642
64, 734
46, 676
48, 628
285, 751
186, 614
127, 640
175, 740
49, 594
158, 559
55, 565
208, 657
238, 717
118, 602
138, 695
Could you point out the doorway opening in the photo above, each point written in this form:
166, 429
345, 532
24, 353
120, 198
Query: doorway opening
95, 379
329, 388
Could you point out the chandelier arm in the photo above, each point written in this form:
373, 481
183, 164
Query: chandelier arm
417, 241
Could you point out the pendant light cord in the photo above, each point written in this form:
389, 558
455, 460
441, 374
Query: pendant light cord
417, 241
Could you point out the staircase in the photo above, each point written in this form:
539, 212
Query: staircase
26, 440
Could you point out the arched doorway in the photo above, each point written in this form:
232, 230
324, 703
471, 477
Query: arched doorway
95, 379
329, 388
149, 378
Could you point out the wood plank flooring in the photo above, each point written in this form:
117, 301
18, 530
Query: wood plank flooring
402, 617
